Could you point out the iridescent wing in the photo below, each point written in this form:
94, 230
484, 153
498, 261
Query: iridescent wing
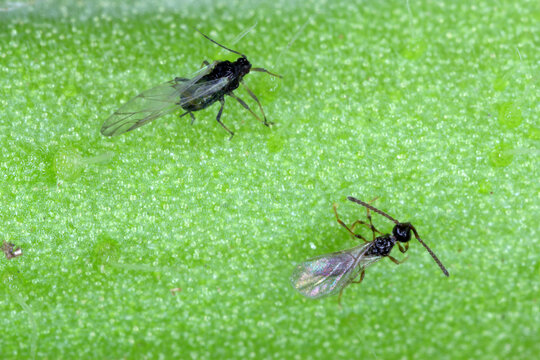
160, 100
327, 274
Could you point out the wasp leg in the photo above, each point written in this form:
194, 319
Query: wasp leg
369, 218
334, 206
266, 71
339, 297
396, 261
403, 250
362, 274
370, 227
258, 103
246, 106
218, 118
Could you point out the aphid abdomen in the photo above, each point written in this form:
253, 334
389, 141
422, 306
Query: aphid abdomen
222, 71
199, 103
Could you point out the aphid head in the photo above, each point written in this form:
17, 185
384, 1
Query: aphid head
243, 66
402, 232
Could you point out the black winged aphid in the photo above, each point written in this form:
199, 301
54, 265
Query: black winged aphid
209, 85
329, 274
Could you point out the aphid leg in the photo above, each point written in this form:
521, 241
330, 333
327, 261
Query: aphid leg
396, 261
266, 71
258, 103
204, 63
403, 250
334, 206
246, 106
362, 274
218, 118
190, 114
180, 79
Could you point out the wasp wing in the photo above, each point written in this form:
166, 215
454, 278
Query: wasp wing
327, 274
160, 100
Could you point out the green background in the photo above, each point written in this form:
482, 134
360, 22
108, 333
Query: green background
431, 106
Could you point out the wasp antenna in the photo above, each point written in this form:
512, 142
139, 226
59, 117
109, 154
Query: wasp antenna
380, 212
218, 44
430, 252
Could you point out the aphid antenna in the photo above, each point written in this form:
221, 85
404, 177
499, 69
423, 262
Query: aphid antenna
218, 44
370, 207
445, 272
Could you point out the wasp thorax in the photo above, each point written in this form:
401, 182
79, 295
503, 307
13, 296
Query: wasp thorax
381, 246
402, 232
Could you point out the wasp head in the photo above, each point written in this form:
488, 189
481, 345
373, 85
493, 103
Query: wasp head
402, 232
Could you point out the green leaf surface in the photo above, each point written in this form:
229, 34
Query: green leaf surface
432, 106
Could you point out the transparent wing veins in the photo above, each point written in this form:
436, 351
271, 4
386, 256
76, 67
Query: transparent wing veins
160, 100
327, 274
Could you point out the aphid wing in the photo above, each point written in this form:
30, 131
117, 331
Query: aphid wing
145, 107
327, 274
195, 90
201, 90
151, 104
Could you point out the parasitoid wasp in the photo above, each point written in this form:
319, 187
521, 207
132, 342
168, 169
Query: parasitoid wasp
207, 86
330, 274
